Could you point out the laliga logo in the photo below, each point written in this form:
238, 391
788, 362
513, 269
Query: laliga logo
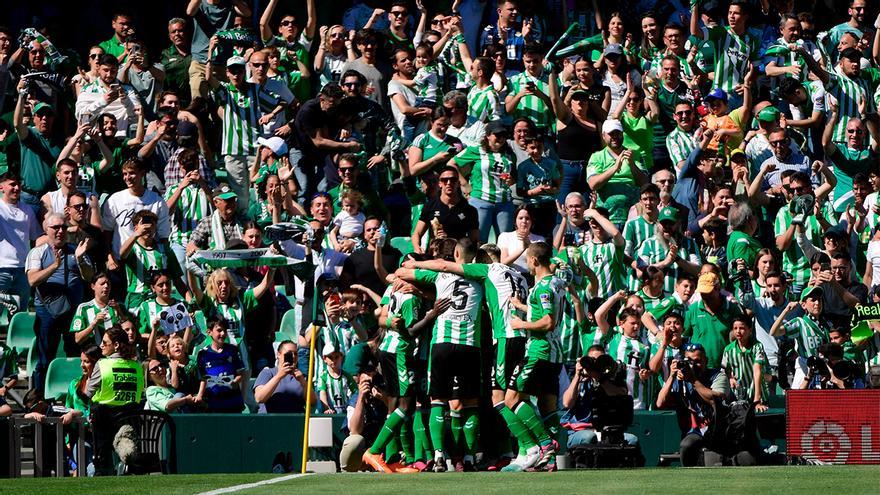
826, 441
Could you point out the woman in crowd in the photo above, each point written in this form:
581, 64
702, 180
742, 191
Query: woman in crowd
282, 388
332, 53
431, 150
514, 244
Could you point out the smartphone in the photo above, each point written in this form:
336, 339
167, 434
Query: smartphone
289, 358
825, 267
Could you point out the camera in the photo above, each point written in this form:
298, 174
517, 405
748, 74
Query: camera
685, 364
604, 365
738, 275
818, 366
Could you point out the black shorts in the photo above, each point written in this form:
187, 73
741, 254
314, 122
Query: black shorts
536, 377
508, 354
454, 372
398, 372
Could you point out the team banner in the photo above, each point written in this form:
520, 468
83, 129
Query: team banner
834, 426
863, 315
240, 258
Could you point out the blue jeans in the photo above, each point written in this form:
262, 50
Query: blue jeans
498, 215
572, 178
14, 288
588, 437
48, 330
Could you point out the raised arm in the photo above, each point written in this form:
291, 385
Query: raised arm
192, 8
696, 32
828, 133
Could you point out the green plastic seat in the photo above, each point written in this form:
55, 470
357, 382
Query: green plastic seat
61, 371
32, 356
21, 332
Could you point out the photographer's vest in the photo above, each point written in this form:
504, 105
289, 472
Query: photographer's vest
122, 382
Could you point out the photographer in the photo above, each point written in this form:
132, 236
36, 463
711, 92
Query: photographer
366, 410
696, 392
595, 378
282, 389
828, 370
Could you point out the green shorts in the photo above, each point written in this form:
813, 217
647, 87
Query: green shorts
398, 371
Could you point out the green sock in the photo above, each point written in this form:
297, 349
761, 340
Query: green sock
517, 428
418, 428
427, 450
388, 431
392, 450
551, 422
470, 416
406, 440
455, 426
437, 426
526, 413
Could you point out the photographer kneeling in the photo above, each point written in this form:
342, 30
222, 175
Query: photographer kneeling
594, 380
828, 370
696, 392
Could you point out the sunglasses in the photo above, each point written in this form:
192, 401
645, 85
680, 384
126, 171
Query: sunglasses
345, 170
287, 23
259, 64
780, 142
398, 13
436, 21
351, 84
95, 55
337, 36
686, 113
447, 180
81, 206
157, 368
854, 131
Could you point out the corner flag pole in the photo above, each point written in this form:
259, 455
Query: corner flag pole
305, 447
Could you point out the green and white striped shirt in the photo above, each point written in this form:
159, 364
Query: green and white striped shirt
87, 312
483, 105
531, 106
545, 298
606, 260
569, 328
338, 389
400, 305
486, 169
241, 112
740, 364
500, 282
732, 55
680, 145
635, 233
794, 261
634, 355
653, 252
460, 324
192, 206
141, 261
848, 92
808, 335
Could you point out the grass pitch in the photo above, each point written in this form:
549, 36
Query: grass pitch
776, 480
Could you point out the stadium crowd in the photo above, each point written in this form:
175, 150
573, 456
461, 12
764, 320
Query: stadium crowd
473, 201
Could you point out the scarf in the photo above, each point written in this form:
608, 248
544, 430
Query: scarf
218, 237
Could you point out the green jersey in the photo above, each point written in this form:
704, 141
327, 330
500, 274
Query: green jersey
149, 310
638, 136
406, 307
192, 206
431, 145
338, 389
635, 232
141, 261
530, 106
808, 334
710, 330
733, 53
847, 163
545, 298
620, 192
742, 246
487, 169
654, 251
500, 283
483, 105
606, 260
680, 145
634, 356
233, 312
570, 331
242, 110
740, 364
848, 92
87, 312
460, 324
794, 261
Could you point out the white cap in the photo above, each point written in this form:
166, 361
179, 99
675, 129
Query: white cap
274, 143
611, 125
328, 349
236, 60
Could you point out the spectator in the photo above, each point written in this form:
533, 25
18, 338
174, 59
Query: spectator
83, 79
221, 370
209, 16
334, 50
123, 28
108, 95
145, 77
282, 388
365, 417
176, 59
369, 265
161, 396
19, 226
506, 32
708, 321
615, 173
38, 145
513, 244
448, 216
367, 44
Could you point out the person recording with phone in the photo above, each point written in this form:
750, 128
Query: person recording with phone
108, 94
282, 388
595, 378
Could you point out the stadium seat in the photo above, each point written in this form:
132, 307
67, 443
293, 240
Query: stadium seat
402, 244
288, 325
32, 356
61, 371
21, 332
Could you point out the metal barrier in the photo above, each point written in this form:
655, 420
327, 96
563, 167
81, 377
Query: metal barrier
18, 425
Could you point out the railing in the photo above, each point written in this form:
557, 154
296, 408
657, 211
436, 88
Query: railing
19, 425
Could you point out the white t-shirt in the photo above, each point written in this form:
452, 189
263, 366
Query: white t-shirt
122, 205
873, 255
395, 87
513, 243
350, 226
18, 227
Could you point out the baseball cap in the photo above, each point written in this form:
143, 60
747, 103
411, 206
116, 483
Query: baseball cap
717, 94
235, 60
274, 143
668, 213
851, 54
496, 127
815, 292
328, 349
359, 359
674, 312
613, 49
223, 191
769, 114
611, 125
186, 128
738, 154
707, 283
43, 107
579, 94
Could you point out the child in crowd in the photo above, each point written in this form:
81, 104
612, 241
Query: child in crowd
220, 371
349, 223
334, 388
143, 254
426, 82
809, 330
537, 182
744, 360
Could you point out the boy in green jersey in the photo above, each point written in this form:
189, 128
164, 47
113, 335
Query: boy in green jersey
809, 330
538, 373
744, 360
142, 254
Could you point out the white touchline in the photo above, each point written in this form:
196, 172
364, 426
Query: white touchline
246, 486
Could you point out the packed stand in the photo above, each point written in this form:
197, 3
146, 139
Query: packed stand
497, 218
